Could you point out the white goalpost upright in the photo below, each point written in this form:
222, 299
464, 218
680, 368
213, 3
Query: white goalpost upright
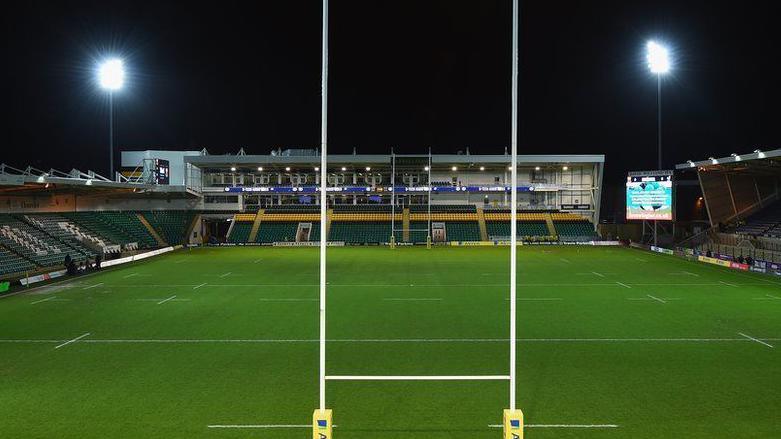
322, 420
322, 425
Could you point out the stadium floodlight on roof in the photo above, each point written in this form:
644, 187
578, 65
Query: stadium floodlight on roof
658, 57
111, 74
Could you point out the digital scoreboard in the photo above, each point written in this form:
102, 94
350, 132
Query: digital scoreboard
649, 196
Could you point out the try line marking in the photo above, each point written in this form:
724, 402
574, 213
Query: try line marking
72, 341
417, 377
561, 426
421, 299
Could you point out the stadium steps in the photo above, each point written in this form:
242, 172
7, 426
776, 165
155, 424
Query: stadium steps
191, 227
481, 223
328, 215
255, 226
405, 230
551, 226
151, 230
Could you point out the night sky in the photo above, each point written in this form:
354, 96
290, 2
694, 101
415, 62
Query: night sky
407, 74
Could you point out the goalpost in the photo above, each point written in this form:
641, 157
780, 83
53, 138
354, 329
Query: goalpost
322, 419
429, 189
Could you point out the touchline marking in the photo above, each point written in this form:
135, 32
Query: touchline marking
727, 284
417, 377
130, 275
72, 341
289, 300
536, 299
43, 300
419, 299
225, 274
624, 285
656, 298
166, 300
408, 340
198, 286
92, 286
263, 426
562, 426
756, 340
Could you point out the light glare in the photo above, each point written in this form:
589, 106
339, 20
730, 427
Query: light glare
658, 58
111, 74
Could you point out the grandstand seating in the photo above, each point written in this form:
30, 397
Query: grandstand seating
67, 231
766, 222
171, 225
501, 229
284, 231
240, 232
11, 263
373, 232
35, 244
126, 223
575, 229
91, 222
462, 231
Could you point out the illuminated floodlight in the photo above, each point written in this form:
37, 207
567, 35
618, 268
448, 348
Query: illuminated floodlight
691, 163
713, 160
426, 168
759, 153
344, 168
454, 168
317, 168
482, 168
368, 168
565, 168
287, 168
658, 58
536, 168
233, 169
260, 168
111, 74
736, 157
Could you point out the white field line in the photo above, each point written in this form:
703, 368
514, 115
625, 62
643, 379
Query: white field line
691, 274
641, 259
92, 286
566, 261
43, 300
225, 274
413, 299
727, 284
561, 426
289, 300
417, 377
166, 300
624, 285
598, 274
656, 298
756, 340
537, 299
72, 340
250, 426
256, 261
527, 285
199, 286
130, 275
408, 340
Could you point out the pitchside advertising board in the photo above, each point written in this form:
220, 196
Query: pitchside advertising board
649, 196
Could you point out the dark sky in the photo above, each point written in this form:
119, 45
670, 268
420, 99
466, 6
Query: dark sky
408, 74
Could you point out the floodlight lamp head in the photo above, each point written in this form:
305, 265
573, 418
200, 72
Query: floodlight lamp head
658, 58
111, 74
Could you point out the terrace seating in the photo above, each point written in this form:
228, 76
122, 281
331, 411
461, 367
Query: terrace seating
462, 231
501, 229
361, 232
11, 263
72, 234
35, 244
171, 225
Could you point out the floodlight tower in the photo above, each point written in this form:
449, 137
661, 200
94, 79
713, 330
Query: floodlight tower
111, 77
658, 58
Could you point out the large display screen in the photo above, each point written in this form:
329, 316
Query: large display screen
649, 196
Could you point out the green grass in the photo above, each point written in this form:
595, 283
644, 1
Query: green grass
583, 359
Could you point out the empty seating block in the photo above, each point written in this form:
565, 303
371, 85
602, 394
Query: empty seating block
35, 244
501, 229
361, 232
581, 230
128, 224
11, 263
277, 232
240, 232
462, 231
171, 225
